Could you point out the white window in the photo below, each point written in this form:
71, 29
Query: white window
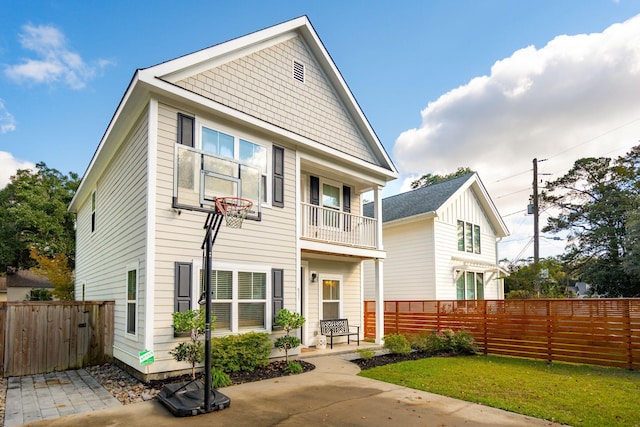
132, 299
470, 286
468, 237
331, 297
228, 145
93, 211
238, 298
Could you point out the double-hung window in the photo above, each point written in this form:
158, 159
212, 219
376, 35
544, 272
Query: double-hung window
230, 146
132, 298
238, 299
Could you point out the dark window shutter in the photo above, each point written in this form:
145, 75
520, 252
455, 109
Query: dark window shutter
346, 206
185, 130
314, 184
277, 282
346, 199
183, 287
278, 177
314, 198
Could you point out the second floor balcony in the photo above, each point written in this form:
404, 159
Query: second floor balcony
328, 225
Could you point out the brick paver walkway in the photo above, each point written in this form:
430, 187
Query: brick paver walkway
38, 397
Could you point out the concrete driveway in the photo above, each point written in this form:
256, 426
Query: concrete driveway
331, 395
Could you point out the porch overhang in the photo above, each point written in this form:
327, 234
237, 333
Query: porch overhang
340, 250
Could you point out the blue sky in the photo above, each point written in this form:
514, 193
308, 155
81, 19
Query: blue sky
484, 84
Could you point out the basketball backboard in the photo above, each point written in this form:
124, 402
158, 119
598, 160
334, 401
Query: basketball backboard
200, 177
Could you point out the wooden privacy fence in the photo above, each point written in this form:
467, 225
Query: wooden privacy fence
594, 331
38, 337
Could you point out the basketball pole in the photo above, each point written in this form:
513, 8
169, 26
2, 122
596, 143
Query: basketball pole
212, 224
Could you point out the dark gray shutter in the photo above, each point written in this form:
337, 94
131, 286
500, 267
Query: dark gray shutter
277, 283
346, 199
278, 177
314, 198
346, 206
185, 130
314, 185
183, 287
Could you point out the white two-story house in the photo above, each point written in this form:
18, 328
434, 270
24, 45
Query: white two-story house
267, 117
441, 243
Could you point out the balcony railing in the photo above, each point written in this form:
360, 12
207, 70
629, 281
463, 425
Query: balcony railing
333, 226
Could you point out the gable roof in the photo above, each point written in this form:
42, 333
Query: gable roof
164, 79
431, 198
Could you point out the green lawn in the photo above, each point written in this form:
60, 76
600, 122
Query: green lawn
578, 395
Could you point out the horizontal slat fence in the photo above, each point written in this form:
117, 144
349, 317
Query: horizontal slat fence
54, 335
594, 331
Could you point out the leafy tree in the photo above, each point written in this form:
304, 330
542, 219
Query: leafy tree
594, 201
58, 272
546, 279
430, 179
33, 213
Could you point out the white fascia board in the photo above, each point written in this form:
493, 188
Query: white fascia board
180, 94
172, 68
129, 108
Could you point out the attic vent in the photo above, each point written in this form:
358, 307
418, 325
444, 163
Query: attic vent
298, 71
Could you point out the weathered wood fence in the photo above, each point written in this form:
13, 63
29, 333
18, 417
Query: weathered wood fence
594, 331
38, 337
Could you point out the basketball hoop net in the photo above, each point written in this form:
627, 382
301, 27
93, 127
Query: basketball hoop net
234, 209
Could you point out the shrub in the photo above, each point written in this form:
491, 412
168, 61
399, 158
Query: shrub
464, 343
293, 367
243, 352
219, 378
430, 343
397, 344
446, 342
366, 353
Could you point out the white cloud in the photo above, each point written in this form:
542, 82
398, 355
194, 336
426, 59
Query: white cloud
575, 97
9, 165
55, 62
7, 122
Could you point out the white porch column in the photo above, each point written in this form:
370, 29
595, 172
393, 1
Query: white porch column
377, 214
379, 274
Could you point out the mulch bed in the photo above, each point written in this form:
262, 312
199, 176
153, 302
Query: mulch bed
274, 369
385, 359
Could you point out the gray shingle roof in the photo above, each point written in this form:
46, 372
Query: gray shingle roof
419, 201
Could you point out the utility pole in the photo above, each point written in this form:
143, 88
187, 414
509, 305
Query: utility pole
536, 213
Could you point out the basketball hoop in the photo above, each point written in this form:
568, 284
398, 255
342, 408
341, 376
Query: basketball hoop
234, 209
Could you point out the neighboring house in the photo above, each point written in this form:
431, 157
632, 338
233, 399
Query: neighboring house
441, 243
582, 290
267, 117
20, 283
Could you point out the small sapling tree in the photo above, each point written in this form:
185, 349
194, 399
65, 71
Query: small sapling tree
288, 321
192, 351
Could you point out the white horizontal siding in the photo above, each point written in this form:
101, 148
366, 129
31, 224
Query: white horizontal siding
269, 242
119, 238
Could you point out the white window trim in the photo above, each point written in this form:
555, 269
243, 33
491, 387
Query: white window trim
321, 278
129, 267
237, 136
235, 301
